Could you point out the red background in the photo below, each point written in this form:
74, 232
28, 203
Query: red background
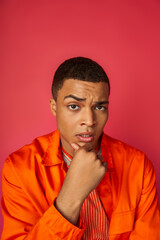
123, 36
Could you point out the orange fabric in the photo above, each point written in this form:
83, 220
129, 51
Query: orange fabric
33, 176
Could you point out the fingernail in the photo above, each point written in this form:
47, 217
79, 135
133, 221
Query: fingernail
74, 146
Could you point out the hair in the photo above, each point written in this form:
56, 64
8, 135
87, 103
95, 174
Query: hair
79, 68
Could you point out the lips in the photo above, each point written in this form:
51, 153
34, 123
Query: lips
85, 137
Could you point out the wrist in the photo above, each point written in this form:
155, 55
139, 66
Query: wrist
69, 209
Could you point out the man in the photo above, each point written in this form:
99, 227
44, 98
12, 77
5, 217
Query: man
77, 182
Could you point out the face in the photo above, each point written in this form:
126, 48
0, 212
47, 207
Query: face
81, 111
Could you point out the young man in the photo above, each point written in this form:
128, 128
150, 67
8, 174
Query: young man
77, 182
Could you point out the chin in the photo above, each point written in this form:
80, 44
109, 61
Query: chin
88, 145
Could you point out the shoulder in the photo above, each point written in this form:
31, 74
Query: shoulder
29, 156
119, 147
26, 163
132, 169
37, 148
127, 156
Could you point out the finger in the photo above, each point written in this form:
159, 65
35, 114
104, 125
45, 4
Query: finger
75, 146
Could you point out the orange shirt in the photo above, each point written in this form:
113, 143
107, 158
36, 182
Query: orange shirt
32, 178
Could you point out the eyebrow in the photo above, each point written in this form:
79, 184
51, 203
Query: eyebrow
83, 99
102, 102
74, 97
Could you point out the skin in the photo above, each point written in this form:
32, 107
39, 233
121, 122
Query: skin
74, 117
87, 113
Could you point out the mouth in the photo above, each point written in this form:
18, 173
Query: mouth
85, 137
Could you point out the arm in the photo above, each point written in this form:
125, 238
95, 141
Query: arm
23, 221
147, 223
85, 173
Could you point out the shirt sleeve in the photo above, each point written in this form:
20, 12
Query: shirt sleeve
147, 221
21, 219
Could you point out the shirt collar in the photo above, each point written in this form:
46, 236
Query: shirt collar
66, 157
106, 152
53, 154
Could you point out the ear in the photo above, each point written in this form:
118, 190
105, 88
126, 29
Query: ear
53, 106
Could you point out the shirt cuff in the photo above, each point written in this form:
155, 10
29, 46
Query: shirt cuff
60, 226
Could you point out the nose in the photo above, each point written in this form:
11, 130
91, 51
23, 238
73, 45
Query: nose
88, 118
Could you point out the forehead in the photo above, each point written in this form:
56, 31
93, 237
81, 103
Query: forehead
84, 89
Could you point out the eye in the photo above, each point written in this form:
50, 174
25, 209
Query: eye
73, 107
100, 108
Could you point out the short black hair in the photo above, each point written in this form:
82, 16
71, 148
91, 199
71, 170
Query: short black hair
79, 68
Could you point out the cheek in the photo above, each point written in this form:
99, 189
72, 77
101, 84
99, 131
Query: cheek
103, 122
102, 118
65, 120
106, 117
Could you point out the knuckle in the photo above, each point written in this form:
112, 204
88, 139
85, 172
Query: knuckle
98, 163
81, 151
92, 156
84, 153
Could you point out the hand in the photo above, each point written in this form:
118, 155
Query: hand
85, 173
